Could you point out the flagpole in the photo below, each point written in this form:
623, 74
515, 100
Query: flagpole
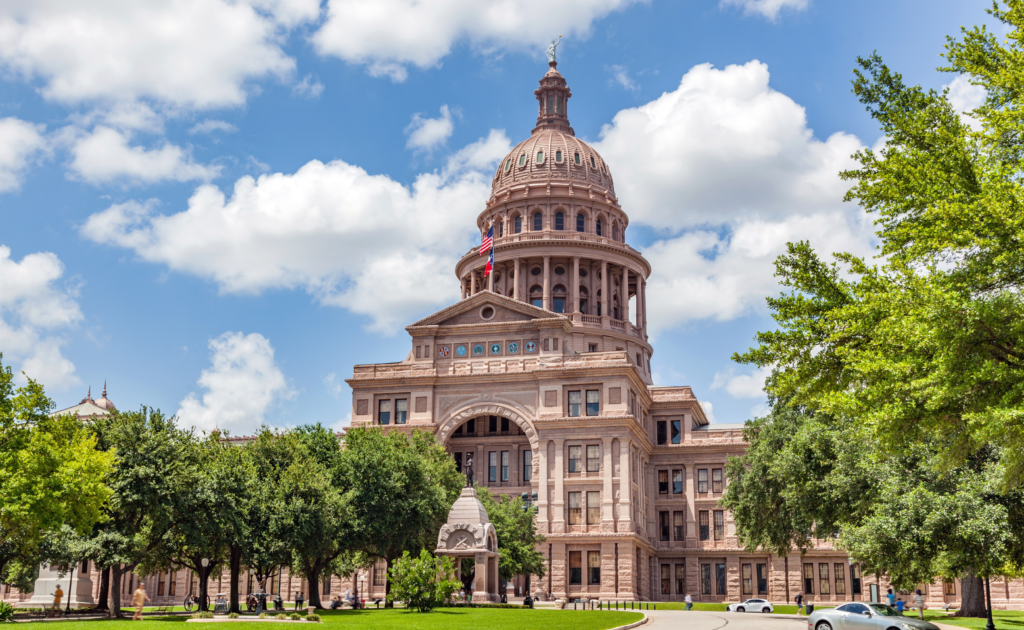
490, 277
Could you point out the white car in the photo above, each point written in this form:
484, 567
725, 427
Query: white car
752, 605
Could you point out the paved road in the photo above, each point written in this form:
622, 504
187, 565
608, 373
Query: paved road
698, 620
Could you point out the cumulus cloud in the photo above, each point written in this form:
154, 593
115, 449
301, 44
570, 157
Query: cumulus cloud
709, 411
388, 35
333, 384
104, 156
965, 97
20, 142
34, 314
728, 169
620, 77
209, 126
308, 87
320, 229
242, 383
742, 385
426, 134
766, 8
183, 54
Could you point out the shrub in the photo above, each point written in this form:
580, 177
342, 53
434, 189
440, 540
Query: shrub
422, 583
6, 613
280, 616
294, 617
315, 618
202, 614
235, 615
263, 615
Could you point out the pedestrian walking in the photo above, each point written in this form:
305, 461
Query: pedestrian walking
892, 597
57, 596
139, 600
900, 606
300, 598
799, 603
689, 602
919, 602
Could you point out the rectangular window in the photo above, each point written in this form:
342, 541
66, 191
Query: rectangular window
762, 579
380, 570
747, 583
666, 579
705, 579
401, 410
575, 508
662, 432
575, 564
575, 459
949, 587
677, 524
677, 434
172, 584
492, 424
327, 586
504, 465
384, 412
716, 480
504, 426
720, 578
702, 481
593, 402
559, 306
704, 533
823, 578
492, 466
840, 569
719, 525
677, 482
160, 584
593, 567
593, 508
662, 482
663, 521
593, 458
680, 579
575, 402
527, 465
458, 462
855, 578
808, 579
591, 347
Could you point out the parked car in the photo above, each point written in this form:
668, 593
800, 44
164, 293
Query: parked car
752, 605
864, 616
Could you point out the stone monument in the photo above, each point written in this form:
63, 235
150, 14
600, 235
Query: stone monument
470, 534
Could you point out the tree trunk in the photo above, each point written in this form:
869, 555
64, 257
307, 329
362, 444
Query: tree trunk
104, 589
115, 591
204, 578
313, 576
236, 569
787, 578
972, 597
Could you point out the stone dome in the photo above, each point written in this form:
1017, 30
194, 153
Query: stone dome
553, 155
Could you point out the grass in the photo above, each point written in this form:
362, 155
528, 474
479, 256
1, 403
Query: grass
443, 618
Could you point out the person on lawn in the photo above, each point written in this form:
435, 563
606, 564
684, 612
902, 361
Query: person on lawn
139, 600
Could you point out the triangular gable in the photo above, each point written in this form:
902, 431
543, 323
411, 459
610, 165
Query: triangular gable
468, 312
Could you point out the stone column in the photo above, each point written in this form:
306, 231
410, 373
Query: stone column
558, 505
490, 280
543, 501
462, 283
644, 296
575, 284
513, 466
691, 515
604, 290
516, 281
472, 283
547, 283
625, 295
480, 593
607, 494
625, 488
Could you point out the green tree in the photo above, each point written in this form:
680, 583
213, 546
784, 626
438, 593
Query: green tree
516, 528
402, 488
51, 475
423, 583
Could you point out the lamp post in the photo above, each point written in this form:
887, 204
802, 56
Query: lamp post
205, 562
71, 580
988, 601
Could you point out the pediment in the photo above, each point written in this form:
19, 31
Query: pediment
486, 308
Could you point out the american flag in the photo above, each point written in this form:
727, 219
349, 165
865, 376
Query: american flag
488, 242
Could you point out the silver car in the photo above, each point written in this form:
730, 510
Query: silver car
751, 605
864, 616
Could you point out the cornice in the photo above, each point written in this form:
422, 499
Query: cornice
623, 249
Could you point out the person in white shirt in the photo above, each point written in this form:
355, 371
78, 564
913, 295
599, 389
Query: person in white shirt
689, 602
919, 603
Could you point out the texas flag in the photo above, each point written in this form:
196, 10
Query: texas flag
490, 263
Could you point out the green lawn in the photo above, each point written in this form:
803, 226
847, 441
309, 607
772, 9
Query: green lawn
1004, 619
446, 618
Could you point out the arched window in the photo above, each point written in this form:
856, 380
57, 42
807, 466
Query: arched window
508, 165
593, 164
576, 158
559, 221
581, 222
558, 298
599, 228
558, 156
615, 231
540, 157
537, 296
522, 160
501, 228
538, 222
519, 224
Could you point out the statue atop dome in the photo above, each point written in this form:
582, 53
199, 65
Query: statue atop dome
551, 49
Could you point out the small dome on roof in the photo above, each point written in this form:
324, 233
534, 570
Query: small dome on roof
104, 402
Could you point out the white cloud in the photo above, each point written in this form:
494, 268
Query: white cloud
966, 97
182, 54
359, 241
426, 134
241, 384
767, 8
388, 35
34, 314
742, 385
20, 142
308, 87
209, 126
333, 384
620, 76
709, 411
105, 156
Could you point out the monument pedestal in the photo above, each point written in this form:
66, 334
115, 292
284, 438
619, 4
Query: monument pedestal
470, 534
77, 590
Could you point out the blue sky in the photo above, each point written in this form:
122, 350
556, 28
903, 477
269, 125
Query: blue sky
221, 206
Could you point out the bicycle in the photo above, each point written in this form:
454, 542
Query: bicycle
191, 601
